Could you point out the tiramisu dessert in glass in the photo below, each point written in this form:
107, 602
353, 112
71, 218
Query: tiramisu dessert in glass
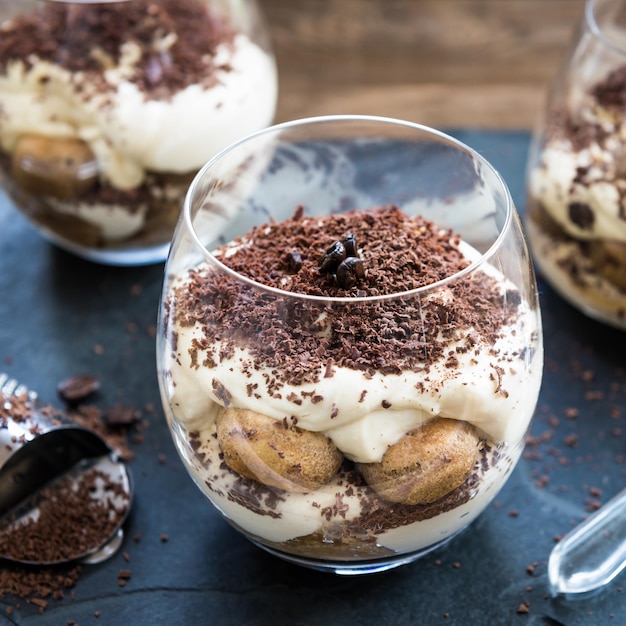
108, 110
349, 347
576, 179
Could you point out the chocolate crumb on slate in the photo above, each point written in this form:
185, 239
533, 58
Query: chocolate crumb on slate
36, 584
78, 387
120, 414
123, 576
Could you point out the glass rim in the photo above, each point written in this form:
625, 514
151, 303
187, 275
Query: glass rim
473, 266
591, 9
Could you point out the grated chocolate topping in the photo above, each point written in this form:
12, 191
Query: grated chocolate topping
611, 92
565, 123
303, 340
177, 41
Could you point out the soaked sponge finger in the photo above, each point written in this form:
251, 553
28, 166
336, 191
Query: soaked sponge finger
425, 464
276, 452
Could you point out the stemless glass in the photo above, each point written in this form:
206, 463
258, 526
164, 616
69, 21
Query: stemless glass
347, 424
576, 178
109, 109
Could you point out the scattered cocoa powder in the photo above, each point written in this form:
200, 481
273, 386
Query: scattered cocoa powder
571, 440
120, 414
123, 576
85, 520
116, 434
36, 584
70, 520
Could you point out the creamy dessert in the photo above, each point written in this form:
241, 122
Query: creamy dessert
577, 200
380, 422
108, 110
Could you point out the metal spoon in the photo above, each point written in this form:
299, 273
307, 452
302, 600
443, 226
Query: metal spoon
35, 452
592, 555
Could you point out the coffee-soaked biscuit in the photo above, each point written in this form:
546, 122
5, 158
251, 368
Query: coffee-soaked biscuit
426, 463
61, 167
609, 258
275, 452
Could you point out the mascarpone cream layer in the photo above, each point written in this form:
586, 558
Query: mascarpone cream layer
493, 387
591, 292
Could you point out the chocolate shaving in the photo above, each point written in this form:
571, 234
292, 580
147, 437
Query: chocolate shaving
388, 336
78, 387
611, 92
120, 414
581, 214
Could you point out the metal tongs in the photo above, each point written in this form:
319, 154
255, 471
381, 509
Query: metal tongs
37, 451
592, 555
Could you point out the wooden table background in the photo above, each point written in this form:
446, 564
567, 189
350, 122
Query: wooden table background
445, 63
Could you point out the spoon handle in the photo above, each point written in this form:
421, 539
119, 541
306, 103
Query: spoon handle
593, 554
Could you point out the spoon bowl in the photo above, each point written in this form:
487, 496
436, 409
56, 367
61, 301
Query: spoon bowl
49, 467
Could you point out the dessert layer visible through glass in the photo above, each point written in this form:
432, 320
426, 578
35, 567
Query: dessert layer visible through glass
109, 109
349, 346
576, 214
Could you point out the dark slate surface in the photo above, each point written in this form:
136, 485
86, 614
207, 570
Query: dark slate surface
54, 310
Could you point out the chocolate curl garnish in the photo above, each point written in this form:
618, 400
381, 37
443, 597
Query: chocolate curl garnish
341, 260
349, 243
332, 258
349, 272
293, 260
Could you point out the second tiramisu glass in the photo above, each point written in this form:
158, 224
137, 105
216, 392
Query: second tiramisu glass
349, 346
576, 180
108, 110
